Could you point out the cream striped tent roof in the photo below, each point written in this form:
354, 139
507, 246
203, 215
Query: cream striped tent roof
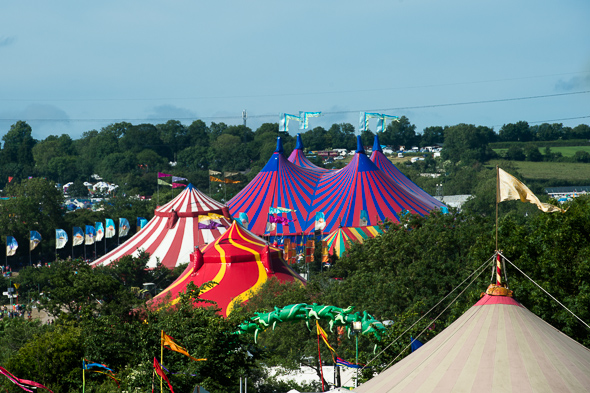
496, 346
172, 245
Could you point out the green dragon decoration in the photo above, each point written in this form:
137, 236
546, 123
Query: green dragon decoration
335, 316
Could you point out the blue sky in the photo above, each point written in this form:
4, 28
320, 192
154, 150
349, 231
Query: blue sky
69, 67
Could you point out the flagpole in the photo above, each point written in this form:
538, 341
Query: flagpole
72, 243
320, 356
29, 249
83, 378
497, 198
161, 360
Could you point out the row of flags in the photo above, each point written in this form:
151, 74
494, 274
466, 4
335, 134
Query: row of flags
174, 179
89, 235
225, 180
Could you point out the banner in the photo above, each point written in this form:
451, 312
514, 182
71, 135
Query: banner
168, 342
99, 231
284, 121
320, 221
123, 227
77, 236
229, 174
303, 116
382, 122
24, 384
178, 185
244, 219
175, 179
163, 183
160, 174
161, 373
279, 210
61, 238
211, 178
34, 240
90, 235
230, 181
141, 222
11, 246
212, 172
364, 219
110, 228
208, 222
364, 120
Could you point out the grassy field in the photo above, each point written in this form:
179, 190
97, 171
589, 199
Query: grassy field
564, 171
566, 151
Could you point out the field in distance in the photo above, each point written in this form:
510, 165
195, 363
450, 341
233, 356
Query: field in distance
578, 173
566, 151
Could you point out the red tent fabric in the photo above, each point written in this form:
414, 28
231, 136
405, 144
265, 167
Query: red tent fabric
238, 261
174, 231
297, 157
396, 175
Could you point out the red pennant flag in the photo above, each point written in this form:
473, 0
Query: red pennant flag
10, 178
160, 372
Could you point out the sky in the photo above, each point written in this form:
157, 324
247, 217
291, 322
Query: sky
67, 67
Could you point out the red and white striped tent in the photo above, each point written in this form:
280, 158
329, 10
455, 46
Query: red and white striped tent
496, 346
172, 235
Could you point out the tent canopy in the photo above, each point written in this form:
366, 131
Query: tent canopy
297, 157
173, 233
339, 240
496, 346
239, 262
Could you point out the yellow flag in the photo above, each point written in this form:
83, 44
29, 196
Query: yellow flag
324, 336
168, 342
512, 189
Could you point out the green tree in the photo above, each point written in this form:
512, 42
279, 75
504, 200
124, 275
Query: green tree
400, 133
516, 132
515, 153
467, 143
433, 136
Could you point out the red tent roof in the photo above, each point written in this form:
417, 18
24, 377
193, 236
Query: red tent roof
173, 233
239, 262
297, 157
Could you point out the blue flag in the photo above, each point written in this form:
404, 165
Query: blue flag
345, 363
90, 235
77, 236
99, 231
110, 228
34, 240
61, 238
123, 227
11, 246
415, 344
141, 222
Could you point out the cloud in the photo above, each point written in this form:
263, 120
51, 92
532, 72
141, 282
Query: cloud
44, 119
163, 113
574, 83
6, 41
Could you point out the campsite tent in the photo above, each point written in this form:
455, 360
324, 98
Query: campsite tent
340, 239
173, 233
238, 261
280, 184
344, 195
496, 346
387, 166
297, 157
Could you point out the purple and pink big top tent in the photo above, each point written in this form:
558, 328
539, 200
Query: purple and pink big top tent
387, 166
359, 194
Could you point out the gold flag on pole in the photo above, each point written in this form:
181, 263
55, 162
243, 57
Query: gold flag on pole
511, 189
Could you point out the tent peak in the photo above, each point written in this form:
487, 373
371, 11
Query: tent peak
359, 145
279, 149
376, 144
299, 145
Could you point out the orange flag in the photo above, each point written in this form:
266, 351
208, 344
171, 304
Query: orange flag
324, 336
168, 342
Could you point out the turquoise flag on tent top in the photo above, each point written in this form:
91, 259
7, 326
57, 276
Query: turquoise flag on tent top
34, 240
61, 238
11, 246
123, 227
110, 228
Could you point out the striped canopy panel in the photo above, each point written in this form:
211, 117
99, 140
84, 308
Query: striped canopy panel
341, 196
279, 184
172, 245
297, 157
340, 239
387, 166
239, 262
496, 346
